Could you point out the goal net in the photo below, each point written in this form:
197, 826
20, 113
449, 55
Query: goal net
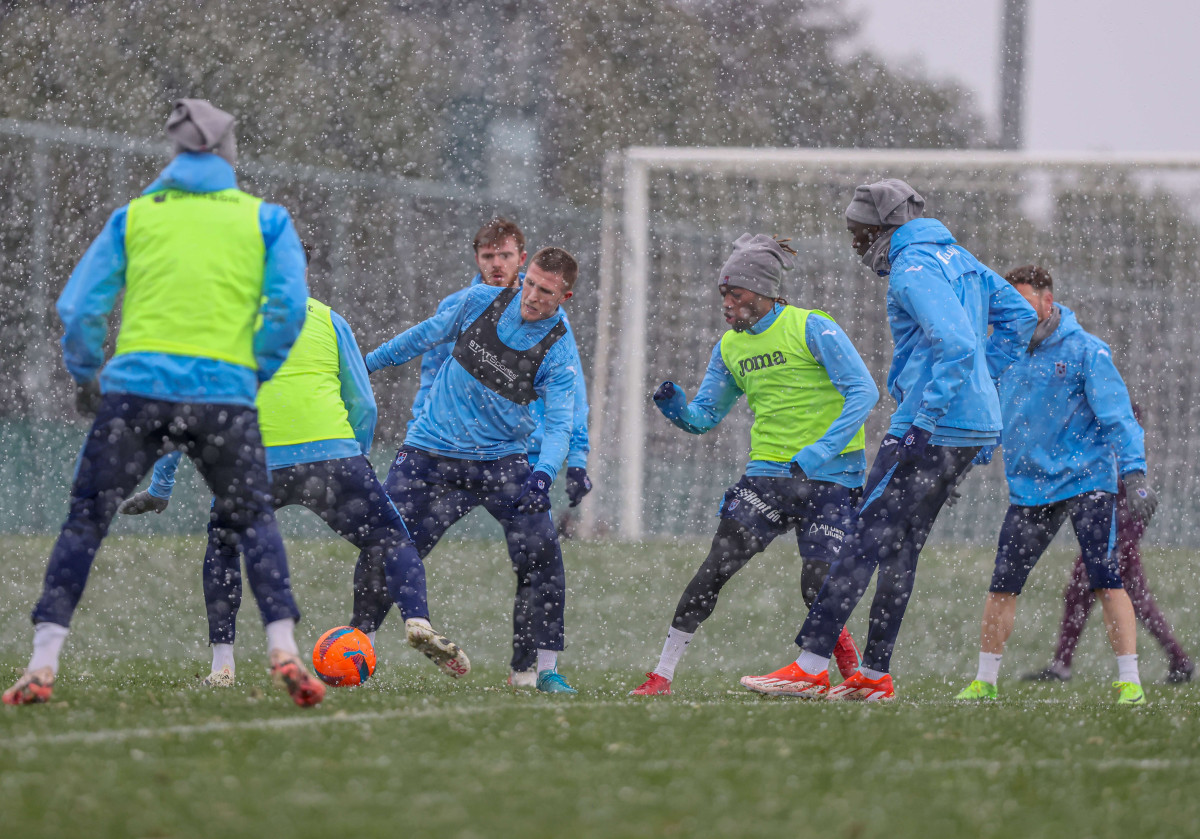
1118, 233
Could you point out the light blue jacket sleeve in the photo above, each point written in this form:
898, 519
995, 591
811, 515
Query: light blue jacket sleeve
442, 327
1012, 320
1109, 400
285, 290
941, 317
555, 384
580, 445
162, 482
717, 395
356, 385
431, 362
832, 347
88, 299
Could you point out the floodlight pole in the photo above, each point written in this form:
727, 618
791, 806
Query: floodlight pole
1012, 74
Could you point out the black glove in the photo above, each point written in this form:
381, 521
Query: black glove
143, 502
913, 443
87, 398
578, 484
797, 471
535, 495
1142, 500
665, 392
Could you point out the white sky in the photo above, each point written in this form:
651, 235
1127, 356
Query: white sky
1101, 75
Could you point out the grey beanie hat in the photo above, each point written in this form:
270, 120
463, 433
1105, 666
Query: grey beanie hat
756, 264
887, 203
197, 125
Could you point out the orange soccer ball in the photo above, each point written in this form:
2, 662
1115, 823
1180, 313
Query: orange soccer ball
344, 657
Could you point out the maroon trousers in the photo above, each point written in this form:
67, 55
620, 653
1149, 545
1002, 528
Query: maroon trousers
1079, 596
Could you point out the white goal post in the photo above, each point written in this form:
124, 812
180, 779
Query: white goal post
717, 192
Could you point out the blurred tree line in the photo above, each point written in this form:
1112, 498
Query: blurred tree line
438, 89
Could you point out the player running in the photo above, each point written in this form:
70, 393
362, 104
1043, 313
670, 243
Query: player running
468, 446
499, 252
200, 262
941, 302
318, 420
1069, 430
810, 393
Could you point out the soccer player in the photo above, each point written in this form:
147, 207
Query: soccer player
318, 419
1069, 431
499, 253
810, 393
1078, 599
201, 262
468, 446
941, 303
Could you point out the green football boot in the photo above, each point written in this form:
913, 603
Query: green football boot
1131, 693
978, 690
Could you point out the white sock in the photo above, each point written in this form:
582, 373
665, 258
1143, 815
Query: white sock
1127, 669
48, 641
812, 663
371, 638
989, 668
871, 674
281, 635
673, 649
222, 657
547, 660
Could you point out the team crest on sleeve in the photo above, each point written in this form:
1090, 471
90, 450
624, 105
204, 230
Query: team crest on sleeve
1060, 368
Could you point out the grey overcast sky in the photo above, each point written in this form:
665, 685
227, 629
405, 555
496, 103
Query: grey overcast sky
1101, 75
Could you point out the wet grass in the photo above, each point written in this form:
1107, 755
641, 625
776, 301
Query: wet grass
132, 746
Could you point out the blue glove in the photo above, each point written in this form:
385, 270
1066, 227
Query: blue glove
535, 495
984, 456
578, 484
913, 444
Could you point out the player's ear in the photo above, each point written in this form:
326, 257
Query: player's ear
524, 256
566, 297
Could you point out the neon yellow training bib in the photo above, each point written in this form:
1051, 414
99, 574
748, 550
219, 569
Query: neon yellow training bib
302, 403
194, 275
790, 392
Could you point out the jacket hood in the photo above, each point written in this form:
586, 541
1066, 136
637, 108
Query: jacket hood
193, 171
921, 231
1066, 327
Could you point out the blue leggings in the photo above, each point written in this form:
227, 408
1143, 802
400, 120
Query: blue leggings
432, 493
127, 436
901, 503
349, 498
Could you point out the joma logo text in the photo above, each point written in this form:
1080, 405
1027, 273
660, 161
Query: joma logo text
758, 362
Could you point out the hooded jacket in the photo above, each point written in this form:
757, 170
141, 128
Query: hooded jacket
91, 293
1069, 426
940, 302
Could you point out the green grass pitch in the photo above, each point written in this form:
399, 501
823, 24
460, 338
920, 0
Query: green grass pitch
131, 746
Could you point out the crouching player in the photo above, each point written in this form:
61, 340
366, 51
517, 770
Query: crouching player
468, 446
318, 420
200, 262
810, 393
1069, 430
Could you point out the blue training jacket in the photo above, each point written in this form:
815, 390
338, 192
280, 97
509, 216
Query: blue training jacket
1069, 426
823, 460
433, 360
940, 302
90, 294
361, 411
465, 419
